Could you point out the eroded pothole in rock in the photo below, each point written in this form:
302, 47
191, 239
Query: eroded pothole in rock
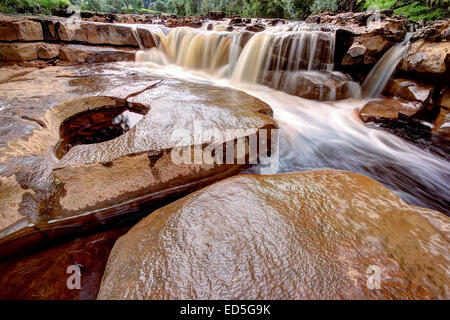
97, 125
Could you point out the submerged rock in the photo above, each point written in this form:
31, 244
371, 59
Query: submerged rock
117, 160
321, 234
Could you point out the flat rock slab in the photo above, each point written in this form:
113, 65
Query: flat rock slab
42, 196
305, 235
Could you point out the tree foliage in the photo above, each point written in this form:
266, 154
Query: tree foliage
289, 9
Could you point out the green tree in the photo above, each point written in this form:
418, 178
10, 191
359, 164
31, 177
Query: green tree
170, 7
160, 6
191, 7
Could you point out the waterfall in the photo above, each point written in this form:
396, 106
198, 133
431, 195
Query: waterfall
137, 37
281, 57
382, 72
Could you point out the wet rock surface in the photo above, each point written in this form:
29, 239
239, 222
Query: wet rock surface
43, 276
314, 85
363, 37
409, 90
389, 109
306, 235
429, 51
93, 182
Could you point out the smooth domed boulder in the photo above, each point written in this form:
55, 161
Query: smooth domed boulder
389, 109
82, 145
306, 235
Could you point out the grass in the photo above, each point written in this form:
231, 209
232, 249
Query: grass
32, 6
414, 12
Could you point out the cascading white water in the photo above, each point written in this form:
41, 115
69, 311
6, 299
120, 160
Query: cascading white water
314, 134
281, 57
137, 37
380, 74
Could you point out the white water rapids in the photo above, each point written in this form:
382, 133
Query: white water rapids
314, 134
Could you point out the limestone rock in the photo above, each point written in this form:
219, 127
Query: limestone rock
305, 235
389, 109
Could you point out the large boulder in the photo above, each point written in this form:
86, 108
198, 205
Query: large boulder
80, 145
321, 234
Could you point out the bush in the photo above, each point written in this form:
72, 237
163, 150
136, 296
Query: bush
33, 6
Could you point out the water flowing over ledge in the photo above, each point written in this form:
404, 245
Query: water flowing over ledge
297, 58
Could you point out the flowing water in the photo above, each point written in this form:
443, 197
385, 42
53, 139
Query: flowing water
380, 74
314, 134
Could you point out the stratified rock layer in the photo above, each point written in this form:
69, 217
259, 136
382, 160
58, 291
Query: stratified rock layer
307, 235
